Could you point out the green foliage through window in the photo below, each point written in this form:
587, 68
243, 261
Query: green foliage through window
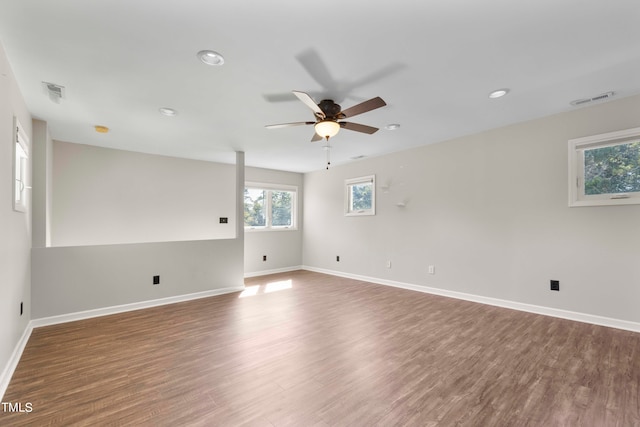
281, 208
612, 169
254, 209
361, 196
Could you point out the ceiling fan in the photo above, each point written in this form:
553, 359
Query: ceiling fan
327, 114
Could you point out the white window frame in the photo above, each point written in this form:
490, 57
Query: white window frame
20, 167
348, 185
267, 206
577, 147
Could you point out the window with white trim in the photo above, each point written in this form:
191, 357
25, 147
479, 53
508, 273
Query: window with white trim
20, 162
270, 207
360, 196
605, 169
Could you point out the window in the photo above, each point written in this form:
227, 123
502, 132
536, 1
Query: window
605, 169
20, 162
360, 198
269, 207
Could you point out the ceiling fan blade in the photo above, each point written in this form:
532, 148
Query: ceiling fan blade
279, 97
288, 125
304, 97
363, 107
316, 137
317, 69
358, 127
375, 76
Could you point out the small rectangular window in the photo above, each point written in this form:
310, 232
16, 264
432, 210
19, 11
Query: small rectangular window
360, 197
269, 206
20, 163
605, 169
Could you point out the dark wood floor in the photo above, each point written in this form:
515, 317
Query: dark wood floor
314, 350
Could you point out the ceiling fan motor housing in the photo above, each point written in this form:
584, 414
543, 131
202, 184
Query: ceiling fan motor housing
330, 109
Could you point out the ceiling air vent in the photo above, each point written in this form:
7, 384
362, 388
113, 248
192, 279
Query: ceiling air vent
55, 92
600, 97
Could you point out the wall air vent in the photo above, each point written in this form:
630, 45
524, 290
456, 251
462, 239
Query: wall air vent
600, 97
54, 91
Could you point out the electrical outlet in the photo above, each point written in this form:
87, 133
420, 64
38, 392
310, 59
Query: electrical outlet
264, 257
555, 285
21, 308
337, 258
388, 264
432, 269
156, 280
224, 220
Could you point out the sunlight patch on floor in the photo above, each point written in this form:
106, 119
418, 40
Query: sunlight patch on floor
280, 285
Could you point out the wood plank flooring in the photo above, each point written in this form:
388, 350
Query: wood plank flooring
314, 350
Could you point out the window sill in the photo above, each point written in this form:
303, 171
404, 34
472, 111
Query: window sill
262, 229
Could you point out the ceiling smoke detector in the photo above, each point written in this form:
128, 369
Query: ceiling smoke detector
600, 97
55, 91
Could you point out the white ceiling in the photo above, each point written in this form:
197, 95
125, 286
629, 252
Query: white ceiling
433, 61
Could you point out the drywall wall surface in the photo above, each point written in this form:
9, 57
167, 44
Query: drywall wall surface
283, 248
105, 196
15, 227
490, 213
42, 146
73, 279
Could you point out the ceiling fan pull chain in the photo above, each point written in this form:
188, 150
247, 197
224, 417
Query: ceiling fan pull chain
328, 153
328, 160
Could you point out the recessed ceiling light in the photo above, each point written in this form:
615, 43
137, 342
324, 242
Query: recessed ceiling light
168, 111
101, 129
498, 93
392, 126
210, 57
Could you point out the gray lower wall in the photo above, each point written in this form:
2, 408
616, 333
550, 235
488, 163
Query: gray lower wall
73, 279
490, 212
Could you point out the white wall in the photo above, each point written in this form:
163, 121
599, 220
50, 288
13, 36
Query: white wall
15, 227
105, 196
490, 212
283, 248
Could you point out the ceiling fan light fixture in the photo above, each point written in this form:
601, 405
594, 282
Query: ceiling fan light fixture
211, 57
327, 128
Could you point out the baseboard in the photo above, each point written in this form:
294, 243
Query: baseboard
274, 271
12, 364
530, 308
81, 315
